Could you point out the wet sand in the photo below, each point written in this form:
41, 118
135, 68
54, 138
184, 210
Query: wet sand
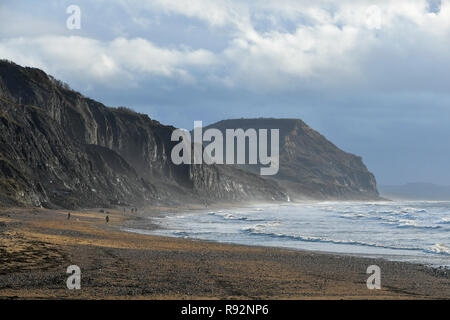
37, 246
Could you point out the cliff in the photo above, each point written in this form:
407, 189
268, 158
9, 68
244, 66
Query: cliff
310, 166
61, 149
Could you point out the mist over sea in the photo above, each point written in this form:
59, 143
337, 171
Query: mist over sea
413, 231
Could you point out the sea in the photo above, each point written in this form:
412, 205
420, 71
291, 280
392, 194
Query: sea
411, 231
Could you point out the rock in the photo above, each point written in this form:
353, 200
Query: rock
311, 167
61, 149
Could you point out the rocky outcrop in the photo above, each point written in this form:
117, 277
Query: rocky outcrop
311, 167
61, 149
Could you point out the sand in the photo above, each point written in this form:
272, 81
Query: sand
37, 246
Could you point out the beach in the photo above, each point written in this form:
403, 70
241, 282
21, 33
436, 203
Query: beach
37, 246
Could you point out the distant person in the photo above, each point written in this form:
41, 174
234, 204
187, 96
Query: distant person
107, 219
68, 216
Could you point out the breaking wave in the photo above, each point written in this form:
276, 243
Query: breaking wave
230, 216
255, 230
415, 231
440, 248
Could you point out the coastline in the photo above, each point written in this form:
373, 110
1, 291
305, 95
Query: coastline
146, 225
37, 245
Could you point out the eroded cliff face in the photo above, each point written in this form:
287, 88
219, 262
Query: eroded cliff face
59, 148
311, 167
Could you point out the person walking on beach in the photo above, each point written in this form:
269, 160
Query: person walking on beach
68, 216
107, 219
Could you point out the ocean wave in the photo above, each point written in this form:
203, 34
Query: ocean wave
256, 230
230, 216
354, 215
413, 210
440, 248
392, 220
406, 212
413, 224
404, 229
182, 234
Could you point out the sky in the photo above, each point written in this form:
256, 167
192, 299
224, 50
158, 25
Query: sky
371, 76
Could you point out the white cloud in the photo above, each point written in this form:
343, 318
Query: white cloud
216, 13
307, 54
15, 23
103, 61
332, 43
273, 45
376, 85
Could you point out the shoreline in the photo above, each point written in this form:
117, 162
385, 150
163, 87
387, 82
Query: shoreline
151, 226
37, 245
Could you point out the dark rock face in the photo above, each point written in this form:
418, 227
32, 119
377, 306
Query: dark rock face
310, 165
61, 149
46, 167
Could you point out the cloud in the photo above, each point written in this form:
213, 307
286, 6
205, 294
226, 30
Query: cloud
287, 45
274, 46
215, 13
370, 75
104, 61
319, 55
